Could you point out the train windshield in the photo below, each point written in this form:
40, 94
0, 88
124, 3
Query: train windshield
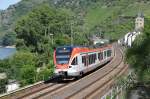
63, 55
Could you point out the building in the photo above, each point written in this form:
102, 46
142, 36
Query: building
129, 38
3, 76
12, 85
139, 22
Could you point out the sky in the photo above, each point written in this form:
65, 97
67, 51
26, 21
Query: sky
4, 4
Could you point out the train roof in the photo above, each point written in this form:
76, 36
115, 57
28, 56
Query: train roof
71, 47
67, 46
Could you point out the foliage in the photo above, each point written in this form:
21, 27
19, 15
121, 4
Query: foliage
23, 67
45, 74
2, 85
27, 74
8, 39
4, 65
145, 77
139, 55
83, 18
35, 29
91, 12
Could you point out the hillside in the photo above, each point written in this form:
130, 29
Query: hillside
105, 14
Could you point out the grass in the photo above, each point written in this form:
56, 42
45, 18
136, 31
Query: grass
98, 15
133, 9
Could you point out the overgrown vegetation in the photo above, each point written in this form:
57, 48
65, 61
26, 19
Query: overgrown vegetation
110, 15
139, 55
37, 34
37, 26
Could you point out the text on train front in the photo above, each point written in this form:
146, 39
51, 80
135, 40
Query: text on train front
63, 55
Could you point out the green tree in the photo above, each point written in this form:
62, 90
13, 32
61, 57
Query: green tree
4, 65
8, 39
27, 74
22, 62
35, 28
139, 55
3, 83
45, 74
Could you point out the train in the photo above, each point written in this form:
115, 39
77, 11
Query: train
75, 61
128, 39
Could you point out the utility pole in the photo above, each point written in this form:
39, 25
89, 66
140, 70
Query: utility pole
50, 35
52, 38
71, 34
45, 31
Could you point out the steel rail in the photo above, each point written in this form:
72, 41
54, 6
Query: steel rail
68, 91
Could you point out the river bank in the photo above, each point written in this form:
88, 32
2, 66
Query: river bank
12, 46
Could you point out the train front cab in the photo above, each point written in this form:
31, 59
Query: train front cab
74, 67
72, 70
61, 60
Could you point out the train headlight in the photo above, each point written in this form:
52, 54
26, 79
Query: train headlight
70, 66
56, 67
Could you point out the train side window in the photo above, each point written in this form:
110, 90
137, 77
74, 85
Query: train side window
100, 56
109, 53
90, 59
105, 54
75, 61
84, 60
95, 58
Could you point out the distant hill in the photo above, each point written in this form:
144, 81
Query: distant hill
105, 14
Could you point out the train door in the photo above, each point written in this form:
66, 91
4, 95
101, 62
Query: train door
100, 56
85, 61
80, 66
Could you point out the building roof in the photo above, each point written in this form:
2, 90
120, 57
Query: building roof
3, 75
140, 14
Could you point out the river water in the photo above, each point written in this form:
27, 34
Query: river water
6, 52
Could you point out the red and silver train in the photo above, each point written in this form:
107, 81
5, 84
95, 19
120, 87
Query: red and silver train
74, 61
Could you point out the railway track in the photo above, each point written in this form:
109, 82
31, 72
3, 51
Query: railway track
36, 90
86, 87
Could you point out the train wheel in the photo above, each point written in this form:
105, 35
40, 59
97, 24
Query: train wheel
81, 74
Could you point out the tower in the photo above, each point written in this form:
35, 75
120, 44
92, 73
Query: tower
139, 22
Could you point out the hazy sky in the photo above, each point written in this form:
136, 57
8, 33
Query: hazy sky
4, 4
